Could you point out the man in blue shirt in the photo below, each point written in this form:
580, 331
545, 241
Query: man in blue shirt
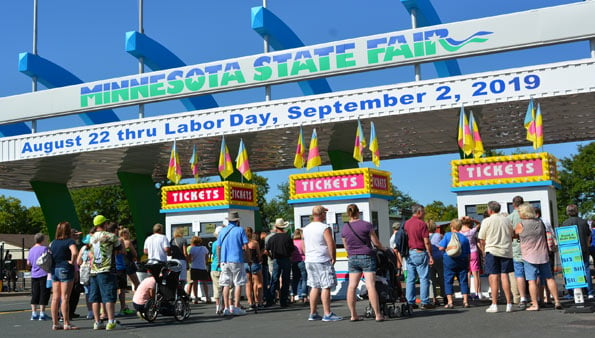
232, 243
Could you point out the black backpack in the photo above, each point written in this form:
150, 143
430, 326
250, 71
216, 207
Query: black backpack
402, 242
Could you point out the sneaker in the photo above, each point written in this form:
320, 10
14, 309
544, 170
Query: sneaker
508, 307
331, 317
34, 316
90, 315
127, 312
113, 326
523, 305
427, 306
226, 312
43, 316
480, 296
238, 311
492, 308
314, 316
98, 326
590, 297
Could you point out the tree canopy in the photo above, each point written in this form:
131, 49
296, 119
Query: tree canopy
577, 177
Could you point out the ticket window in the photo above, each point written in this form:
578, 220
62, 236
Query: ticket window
535, 204
476, 211
207, 232
186, 231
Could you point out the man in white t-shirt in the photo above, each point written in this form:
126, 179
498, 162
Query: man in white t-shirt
157, 245
321, 254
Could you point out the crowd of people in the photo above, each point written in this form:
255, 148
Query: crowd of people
276, 268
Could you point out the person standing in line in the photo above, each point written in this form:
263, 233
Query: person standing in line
298, 268
40, 294
535, 254
495, 240
280, 249
103, 283
157, 245
216, 272
179, 250
64, 254
470, 232
584, 235
436, 269
393, 245
198, 255
358, 237
456, 266
517, 259
321, 254
232, 244
131, 257
253, 269
75, 292
420, 258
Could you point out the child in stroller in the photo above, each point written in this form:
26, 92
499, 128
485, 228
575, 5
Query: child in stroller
388, 287
167, 297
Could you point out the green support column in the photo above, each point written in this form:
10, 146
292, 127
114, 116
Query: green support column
144, 201
342, 160
56, 204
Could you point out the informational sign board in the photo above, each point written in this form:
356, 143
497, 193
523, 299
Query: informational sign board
571, 257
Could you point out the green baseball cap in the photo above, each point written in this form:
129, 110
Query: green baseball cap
99, 219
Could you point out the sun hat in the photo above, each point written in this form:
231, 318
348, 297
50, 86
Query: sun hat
233, 216
281, 224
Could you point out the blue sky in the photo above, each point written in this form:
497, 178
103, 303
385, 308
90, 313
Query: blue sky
87, 38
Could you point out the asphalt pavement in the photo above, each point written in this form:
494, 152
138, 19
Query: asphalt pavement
292, 321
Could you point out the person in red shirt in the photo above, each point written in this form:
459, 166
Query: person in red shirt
419, 259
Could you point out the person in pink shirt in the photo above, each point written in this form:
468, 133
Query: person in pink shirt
298, 268
144, 292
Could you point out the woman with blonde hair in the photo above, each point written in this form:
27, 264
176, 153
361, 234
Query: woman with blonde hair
535, 256
64, 253
179, 250
198, 254
253, 266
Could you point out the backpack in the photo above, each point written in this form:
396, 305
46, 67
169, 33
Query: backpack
45, 261
176, 251
402, 242
454, 248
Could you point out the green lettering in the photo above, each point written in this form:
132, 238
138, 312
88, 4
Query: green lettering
213, 81
94, 98
418, 48
373, 55
175, 86
343, 60
281, 69
120, 94
324, 63
392, 52
195, 85
142, 91
307, 64
157, 89
262, 73
237, 76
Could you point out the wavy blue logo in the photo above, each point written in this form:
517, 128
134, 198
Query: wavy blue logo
393, 47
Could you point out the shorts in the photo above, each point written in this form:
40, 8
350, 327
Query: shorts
40, 295
519, 269
103, 288
543, 271
252, 268
199, 275
121, 277
361, 263
497, 265
321, 275
232, 274
63, 274
215, 277
474, 262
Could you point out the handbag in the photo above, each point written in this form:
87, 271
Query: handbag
454, 248
375, 250
45, 261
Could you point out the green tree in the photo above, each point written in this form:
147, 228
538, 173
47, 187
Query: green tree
37, 219
262, 189
437, 211
15, 218
108, 201
401, 204
577, 177
278, 206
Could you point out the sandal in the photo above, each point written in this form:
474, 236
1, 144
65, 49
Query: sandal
558, 306
466, 305
70, 327
532, 308
56, 327
357, 319
449, 306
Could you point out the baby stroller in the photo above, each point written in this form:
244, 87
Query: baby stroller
388, 287
170, 298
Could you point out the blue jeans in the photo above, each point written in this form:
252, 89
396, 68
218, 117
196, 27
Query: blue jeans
458, 268
588, 275
298, 282
418, 265
281, 269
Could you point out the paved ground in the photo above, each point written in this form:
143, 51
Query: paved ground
292, 321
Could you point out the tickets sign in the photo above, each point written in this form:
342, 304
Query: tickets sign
208, 194
504, 170
340, 183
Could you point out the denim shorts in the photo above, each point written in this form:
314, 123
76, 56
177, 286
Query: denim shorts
532, 271
253, 268
103, 288
361, 263
519, 269
63, 274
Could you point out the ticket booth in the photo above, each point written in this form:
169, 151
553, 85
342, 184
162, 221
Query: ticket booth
531, 176
200, 208
370, 189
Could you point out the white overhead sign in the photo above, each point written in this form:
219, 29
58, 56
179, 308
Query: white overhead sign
547, 26
563, 78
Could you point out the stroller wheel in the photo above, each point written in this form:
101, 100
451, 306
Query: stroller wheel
151, 312
181, 310
369, 312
